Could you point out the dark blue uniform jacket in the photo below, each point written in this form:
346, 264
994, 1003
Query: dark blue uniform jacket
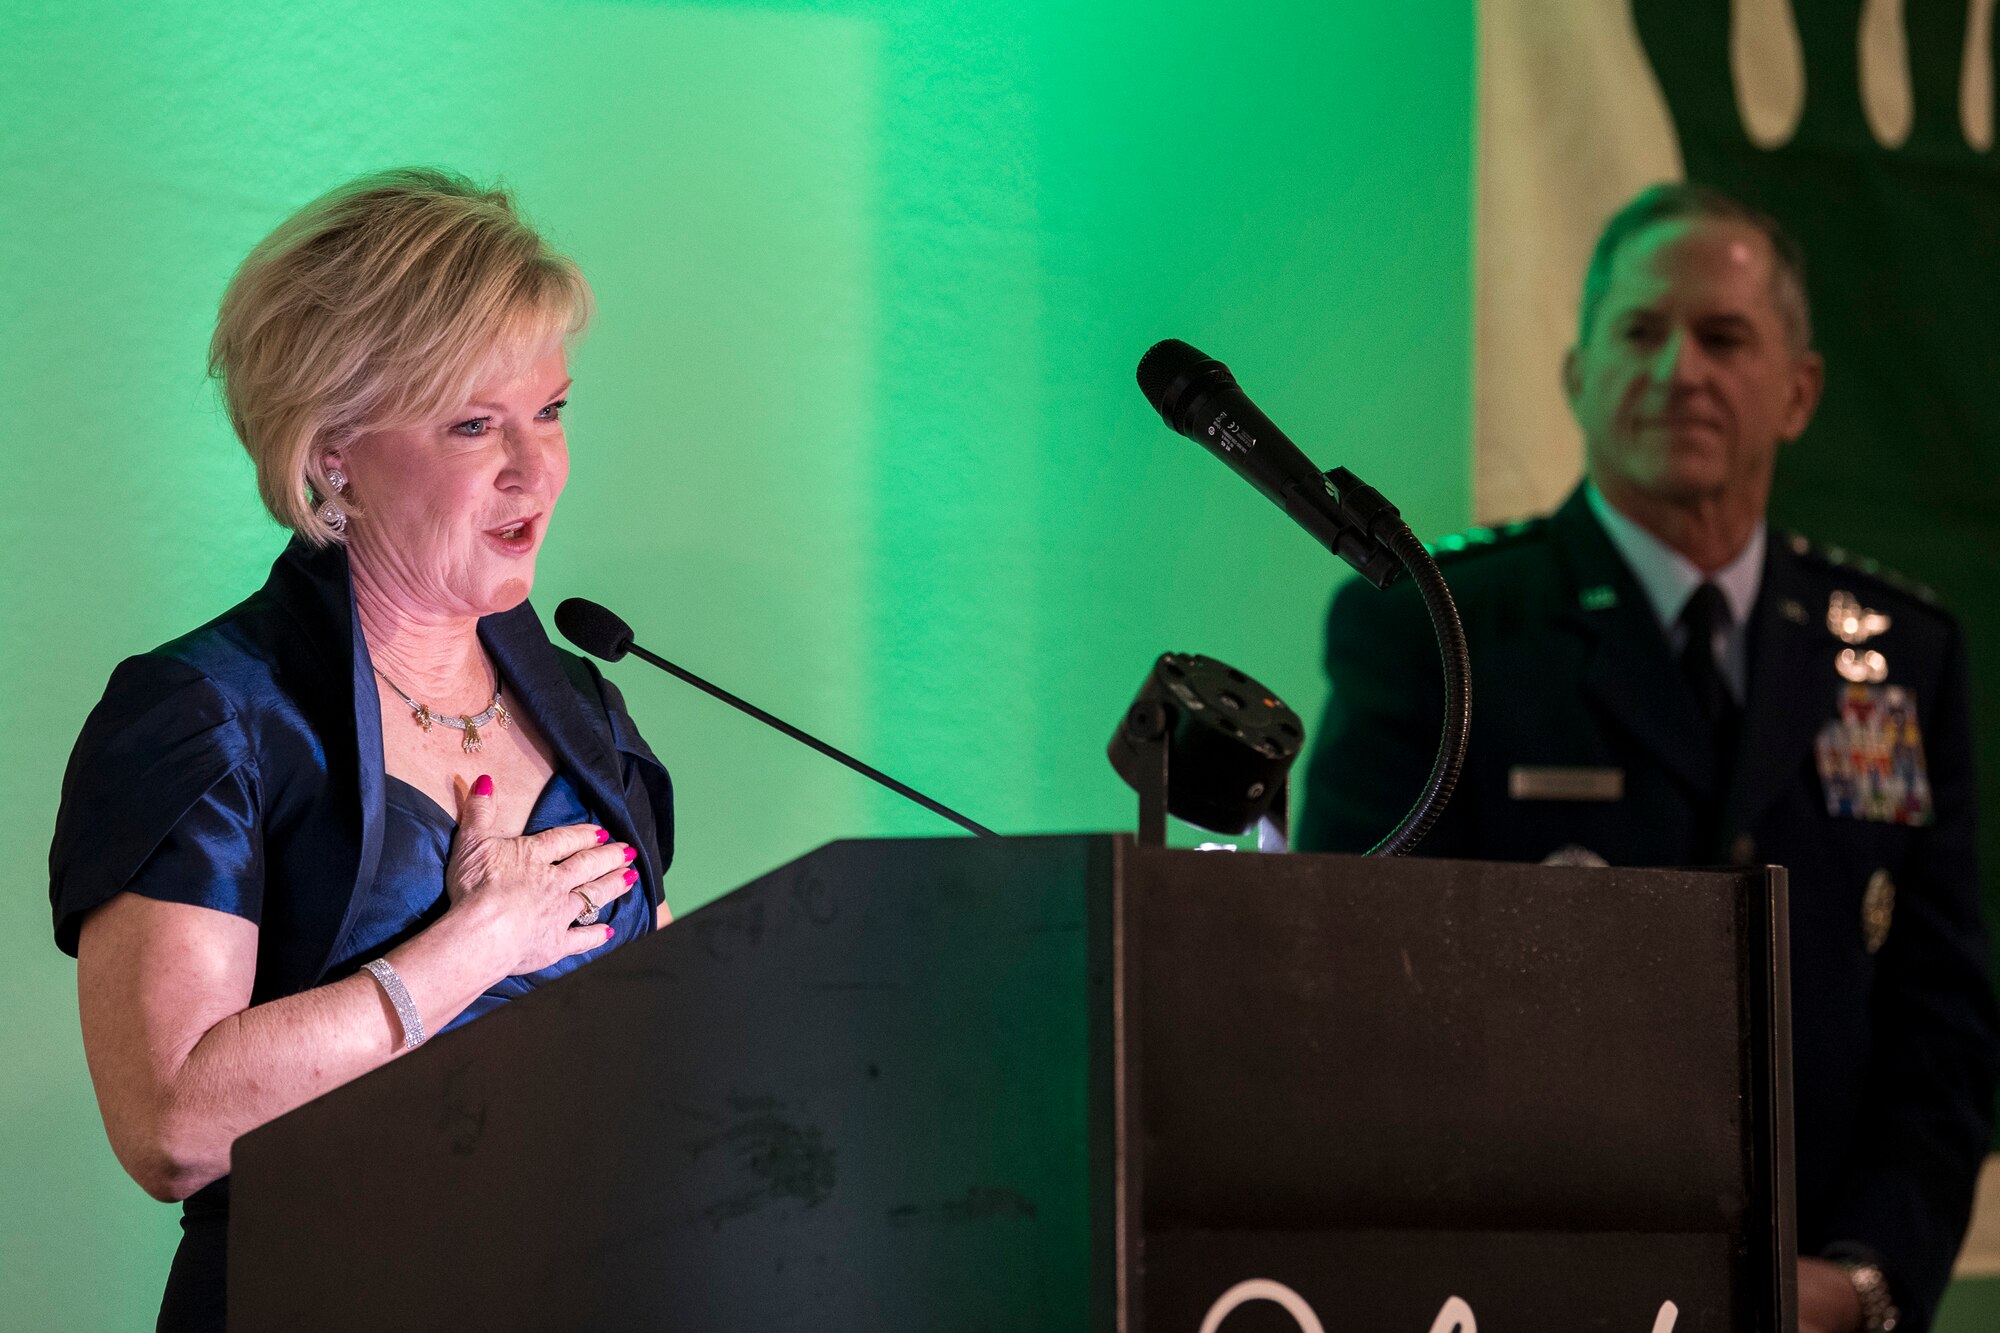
1895, 1052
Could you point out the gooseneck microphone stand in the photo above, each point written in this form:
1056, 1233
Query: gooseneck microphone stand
1198, 397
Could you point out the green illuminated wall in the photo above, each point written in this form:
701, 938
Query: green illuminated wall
856, 432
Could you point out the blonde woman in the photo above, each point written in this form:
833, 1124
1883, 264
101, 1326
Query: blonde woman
372, 801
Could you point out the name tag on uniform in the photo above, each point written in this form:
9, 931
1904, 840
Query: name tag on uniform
1871, 757
1531, 782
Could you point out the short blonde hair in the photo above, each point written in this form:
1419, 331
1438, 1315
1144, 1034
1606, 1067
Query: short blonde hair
379, 304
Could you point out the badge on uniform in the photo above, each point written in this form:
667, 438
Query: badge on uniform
1878, 909
1854, 624
1540, 782
1871, 757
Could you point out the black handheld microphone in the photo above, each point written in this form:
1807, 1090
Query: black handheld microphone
599, 632
1197, 397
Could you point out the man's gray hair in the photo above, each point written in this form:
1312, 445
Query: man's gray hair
1676, 201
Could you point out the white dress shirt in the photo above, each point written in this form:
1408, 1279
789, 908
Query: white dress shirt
1669, 578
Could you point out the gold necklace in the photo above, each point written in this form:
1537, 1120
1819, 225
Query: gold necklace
469, 723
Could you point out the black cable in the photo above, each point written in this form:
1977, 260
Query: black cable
1457, 694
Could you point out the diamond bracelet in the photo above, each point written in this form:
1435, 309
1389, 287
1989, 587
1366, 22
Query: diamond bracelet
399, 996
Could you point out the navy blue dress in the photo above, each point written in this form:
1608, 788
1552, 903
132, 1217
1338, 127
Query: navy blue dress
239, 767
409, 888
408, 896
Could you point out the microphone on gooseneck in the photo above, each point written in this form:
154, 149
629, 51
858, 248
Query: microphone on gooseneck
599, 632
1197, 397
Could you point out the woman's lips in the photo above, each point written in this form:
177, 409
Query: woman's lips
516, 538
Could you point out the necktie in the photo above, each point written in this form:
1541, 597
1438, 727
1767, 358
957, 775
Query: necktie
1706, 615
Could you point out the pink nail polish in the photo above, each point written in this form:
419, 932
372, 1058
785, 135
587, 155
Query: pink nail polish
603, 836
482, 785
610, 934
631, 877
631, 853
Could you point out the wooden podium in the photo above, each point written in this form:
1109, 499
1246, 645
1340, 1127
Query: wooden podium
1067, 1083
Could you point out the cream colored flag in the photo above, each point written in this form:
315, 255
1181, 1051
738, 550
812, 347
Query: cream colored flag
1571, 124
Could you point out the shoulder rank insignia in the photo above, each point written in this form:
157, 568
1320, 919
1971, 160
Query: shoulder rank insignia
1473, 539
1860, 564
1463, 541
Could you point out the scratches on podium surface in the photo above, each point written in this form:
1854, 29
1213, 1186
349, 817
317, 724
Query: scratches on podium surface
980, 1203
788, 1161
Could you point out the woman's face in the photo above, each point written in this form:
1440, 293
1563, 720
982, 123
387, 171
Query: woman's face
452, 512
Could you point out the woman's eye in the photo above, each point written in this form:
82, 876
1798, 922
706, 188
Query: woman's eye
553, 412
473, 428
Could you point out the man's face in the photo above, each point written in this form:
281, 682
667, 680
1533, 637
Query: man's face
1688, 382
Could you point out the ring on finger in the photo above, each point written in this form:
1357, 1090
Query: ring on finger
589, 916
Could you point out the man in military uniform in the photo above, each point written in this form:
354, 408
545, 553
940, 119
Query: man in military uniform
1659, 679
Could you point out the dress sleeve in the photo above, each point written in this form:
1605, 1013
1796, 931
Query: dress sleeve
161, 798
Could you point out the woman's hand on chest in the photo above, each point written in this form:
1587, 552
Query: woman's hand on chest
525, 893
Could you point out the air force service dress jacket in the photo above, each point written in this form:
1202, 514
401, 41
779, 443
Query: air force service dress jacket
240, 767
1586, 736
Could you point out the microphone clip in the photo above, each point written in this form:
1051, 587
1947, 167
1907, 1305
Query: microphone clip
1356, 527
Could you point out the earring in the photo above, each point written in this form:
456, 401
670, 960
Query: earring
330, 513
